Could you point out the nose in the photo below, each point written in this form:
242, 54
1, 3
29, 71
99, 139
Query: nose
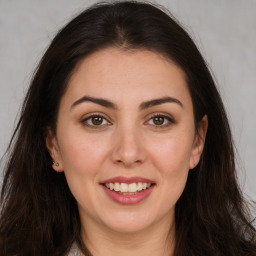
128, 148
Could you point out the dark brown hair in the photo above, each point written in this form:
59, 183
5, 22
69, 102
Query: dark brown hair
39, 215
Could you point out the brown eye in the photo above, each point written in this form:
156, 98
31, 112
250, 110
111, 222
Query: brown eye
95, 121
158, 120
161, 121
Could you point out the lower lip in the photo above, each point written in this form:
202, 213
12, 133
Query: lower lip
128, 199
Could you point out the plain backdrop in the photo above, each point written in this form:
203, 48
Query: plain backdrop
224, 31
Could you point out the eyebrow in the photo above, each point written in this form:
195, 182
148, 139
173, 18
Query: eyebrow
99, 101
143, 105
155, 102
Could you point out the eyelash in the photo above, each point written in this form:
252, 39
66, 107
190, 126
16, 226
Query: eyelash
98, 115
169, 119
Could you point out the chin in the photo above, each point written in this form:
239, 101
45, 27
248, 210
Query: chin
128, 222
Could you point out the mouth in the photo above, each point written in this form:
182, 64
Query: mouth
128, 189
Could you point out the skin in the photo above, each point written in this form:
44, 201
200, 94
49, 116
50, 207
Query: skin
129, 142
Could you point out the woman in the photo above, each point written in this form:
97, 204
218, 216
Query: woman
123, 146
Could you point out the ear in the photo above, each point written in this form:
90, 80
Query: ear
198, 144
53, 149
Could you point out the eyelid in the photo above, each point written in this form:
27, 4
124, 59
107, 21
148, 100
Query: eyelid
95, 114
170, 119
166, 116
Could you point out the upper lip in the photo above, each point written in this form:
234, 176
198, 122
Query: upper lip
128, 180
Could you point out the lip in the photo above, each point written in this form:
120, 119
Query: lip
128, 199
128, 180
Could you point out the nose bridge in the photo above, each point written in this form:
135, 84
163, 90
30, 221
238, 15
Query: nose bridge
128, 144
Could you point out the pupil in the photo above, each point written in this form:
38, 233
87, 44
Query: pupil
97, 120
158, 120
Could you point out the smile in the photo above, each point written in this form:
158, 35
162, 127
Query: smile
128, 189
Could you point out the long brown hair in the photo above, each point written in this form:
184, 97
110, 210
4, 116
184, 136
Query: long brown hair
39, 215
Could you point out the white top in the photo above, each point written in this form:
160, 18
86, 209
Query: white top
74, 251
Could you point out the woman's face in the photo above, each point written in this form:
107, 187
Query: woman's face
126, 139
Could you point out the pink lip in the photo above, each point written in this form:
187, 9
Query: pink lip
128, 199
127, 180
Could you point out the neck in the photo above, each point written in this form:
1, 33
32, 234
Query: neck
158, 239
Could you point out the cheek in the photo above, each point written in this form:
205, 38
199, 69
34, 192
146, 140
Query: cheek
172, 155
82, 156
172, 162
82, 153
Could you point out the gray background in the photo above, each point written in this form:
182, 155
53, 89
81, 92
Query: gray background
224, 30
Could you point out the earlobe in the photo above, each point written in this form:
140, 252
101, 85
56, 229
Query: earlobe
199, 142
53, 149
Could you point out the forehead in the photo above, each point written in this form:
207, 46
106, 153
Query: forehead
127, 74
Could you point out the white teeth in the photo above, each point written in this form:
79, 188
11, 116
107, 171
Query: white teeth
139, 186
132, 187
117, 186
124, 187
128, 188
111, 186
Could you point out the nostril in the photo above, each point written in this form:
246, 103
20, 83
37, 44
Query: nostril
128, 162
